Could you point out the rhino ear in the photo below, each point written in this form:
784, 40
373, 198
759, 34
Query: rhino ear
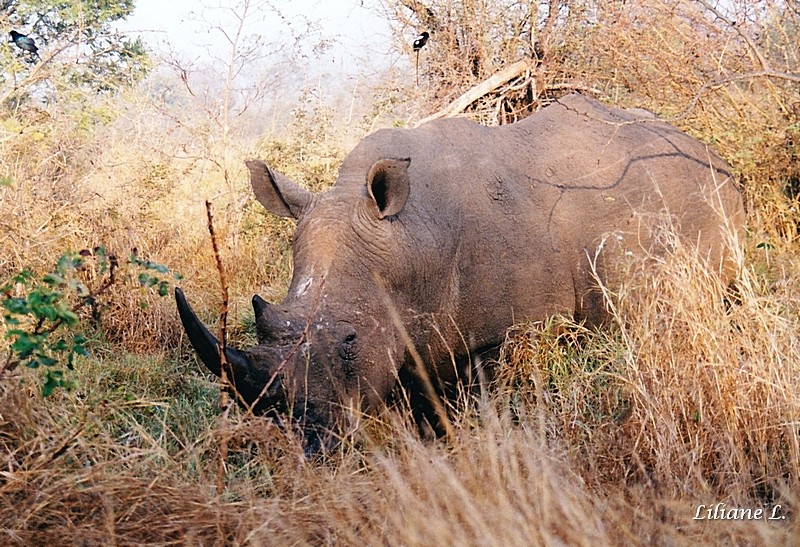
277, 193
388, 185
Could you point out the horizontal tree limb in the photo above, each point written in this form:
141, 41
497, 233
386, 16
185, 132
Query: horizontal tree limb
473, 94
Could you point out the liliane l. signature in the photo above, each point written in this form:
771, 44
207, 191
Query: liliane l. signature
720, 511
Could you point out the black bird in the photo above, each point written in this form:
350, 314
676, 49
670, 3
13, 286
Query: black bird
418, 44
24, 42
421, 40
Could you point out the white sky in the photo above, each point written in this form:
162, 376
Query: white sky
361, 36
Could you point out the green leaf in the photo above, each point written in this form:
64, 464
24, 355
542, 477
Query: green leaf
79, 345
23, 277
45, 359
17, 306
160, 268
65, 264
6, 181
43, 311
68, 316
54, 279
53, 379
25, 344
41, 304
146, 280
60, 346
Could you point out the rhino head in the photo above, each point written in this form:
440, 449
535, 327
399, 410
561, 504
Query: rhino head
332, 344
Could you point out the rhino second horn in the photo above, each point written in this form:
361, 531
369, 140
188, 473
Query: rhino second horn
206, 344
260, 306
268, 316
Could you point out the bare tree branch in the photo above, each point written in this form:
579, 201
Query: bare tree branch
424, 14
738, 29
772, 74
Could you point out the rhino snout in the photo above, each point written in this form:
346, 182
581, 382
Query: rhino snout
298, 374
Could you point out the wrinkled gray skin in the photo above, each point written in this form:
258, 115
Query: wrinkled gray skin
445, 235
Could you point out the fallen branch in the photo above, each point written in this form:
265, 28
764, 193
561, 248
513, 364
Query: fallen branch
485, 87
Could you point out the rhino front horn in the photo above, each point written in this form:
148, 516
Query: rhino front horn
206, 344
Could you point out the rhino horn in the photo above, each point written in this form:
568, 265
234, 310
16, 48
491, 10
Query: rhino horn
206, 344
262, 309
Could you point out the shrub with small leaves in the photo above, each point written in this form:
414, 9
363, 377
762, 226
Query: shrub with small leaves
150, 277
42, 312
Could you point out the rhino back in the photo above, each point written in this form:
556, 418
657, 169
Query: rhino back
511, 214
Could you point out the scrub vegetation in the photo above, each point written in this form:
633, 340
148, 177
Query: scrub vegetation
684, 410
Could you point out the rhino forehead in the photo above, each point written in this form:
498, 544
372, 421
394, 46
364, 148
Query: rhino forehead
318, 243
303, 284
339, 243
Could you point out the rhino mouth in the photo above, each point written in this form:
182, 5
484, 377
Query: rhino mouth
315, 433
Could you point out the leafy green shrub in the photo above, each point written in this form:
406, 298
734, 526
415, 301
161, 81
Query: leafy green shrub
42, 312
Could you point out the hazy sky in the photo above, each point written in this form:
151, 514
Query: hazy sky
360, 36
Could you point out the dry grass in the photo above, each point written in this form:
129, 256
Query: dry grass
612, 437
691, 397
588, 438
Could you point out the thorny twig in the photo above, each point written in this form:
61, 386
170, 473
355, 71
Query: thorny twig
738, 29
224, 367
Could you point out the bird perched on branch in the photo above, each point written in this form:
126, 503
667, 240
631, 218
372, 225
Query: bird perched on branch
25, 43
418, 44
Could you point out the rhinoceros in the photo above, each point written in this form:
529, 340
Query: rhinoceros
435, 240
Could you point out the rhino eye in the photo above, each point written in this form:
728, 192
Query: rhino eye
347, 349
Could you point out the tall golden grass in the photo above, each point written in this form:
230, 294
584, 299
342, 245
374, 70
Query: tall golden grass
614, 437
690, 398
